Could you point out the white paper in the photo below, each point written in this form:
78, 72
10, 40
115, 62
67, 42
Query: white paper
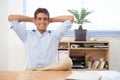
110, 75
84, 75
94, 75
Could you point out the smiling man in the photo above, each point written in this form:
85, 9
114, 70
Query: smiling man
42, 45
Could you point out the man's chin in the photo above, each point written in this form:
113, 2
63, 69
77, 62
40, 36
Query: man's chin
42, 30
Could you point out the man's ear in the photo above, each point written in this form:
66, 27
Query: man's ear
34, 21
50, 20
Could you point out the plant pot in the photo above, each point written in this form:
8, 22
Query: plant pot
80, 34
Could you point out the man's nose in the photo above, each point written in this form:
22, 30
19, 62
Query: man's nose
42, 20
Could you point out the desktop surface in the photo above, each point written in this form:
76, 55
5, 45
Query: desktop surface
59, 75
34, 75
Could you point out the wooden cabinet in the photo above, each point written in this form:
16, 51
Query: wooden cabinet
87, 54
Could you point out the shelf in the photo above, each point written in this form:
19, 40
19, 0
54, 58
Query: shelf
94, 49
86, 69
90, 48
63, 48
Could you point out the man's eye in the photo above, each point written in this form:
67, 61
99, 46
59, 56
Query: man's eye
45, 18
39, 18
42, 18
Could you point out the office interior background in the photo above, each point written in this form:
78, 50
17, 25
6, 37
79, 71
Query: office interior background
12, 51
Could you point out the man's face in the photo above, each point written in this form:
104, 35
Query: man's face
41, 22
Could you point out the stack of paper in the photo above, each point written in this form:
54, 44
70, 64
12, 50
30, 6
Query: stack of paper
62, 54
109, 75
84, 75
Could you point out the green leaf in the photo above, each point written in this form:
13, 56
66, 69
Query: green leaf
81, 16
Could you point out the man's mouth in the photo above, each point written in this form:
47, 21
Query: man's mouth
42, 25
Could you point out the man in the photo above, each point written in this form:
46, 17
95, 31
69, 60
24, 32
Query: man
42, 45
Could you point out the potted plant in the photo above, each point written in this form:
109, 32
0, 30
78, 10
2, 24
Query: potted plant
80, 33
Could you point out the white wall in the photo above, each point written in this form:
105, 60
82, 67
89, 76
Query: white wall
3, 35
115, 53
12, 51
16, 52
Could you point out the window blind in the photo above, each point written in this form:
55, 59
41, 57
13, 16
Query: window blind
105, 16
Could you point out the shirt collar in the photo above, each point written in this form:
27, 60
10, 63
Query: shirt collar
40, 35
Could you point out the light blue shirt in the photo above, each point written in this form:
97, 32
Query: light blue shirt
42, 49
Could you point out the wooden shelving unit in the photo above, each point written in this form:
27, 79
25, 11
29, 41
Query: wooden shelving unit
85, 54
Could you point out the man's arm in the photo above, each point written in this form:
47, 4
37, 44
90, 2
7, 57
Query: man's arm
20, 18
62, 18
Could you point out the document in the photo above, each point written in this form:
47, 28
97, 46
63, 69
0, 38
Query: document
109, 75
84, 75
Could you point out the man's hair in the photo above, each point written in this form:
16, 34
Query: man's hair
41, 10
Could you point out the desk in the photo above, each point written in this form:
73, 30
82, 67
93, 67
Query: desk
34, 75
53, 75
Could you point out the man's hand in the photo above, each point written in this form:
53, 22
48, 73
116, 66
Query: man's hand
20, 18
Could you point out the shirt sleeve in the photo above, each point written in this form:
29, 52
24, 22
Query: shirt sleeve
62, 30
19, 30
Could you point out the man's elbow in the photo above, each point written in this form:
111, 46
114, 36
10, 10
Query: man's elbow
72, 19
10, 18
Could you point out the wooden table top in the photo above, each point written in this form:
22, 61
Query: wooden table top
58, 75
34, 75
